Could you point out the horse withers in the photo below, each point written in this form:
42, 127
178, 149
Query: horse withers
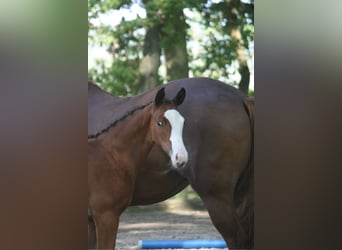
116, 152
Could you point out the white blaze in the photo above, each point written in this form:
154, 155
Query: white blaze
178, 152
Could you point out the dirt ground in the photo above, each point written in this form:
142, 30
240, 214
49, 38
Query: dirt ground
167, 220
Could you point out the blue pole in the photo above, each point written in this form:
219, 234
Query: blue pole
159, 244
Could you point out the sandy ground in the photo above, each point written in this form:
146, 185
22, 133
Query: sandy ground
168, 220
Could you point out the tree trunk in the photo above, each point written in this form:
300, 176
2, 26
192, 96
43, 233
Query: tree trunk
174, 44
235, 34
149, 65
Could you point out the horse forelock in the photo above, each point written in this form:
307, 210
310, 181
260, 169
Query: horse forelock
167, 102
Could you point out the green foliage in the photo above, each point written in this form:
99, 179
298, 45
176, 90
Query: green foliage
251, 92
215, 54
118, 79
102, 6
218, 51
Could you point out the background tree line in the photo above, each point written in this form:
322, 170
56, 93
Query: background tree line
182, 38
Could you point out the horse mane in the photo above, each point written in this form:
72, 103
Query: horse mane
113, 123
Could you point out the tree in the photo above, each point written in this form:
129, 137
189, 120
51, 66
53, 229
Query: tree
149, 65
166, 29
234, 24
138, 45
228, 43
174, 41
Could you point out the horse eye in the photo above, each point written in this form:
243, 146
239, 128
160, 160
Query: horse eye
160, 123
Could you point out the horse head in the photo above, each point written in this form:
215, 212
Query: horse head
167, 127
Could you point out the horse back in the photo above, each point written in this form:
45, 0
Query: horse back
101, 108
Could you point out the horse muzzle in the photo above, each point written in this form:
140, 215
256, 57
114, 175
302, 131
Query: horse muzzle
180, 159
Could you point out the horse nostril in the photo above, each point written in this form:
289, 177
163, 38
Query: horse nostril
180, 164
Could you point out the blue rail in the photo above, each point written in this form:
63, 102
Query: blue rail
159, 244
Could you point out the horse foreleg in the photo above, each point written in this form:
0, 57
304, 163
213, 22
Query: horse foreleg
225, 219
106, 229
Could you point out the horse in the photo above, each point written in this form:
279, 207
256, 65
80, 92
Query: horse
115, 154
218, 134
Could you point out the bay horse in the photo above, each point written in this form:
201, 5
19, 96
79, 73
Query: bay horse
218, 134
115, 153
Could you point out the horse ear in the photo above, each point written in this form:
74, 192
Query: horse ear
178, 100
159, 97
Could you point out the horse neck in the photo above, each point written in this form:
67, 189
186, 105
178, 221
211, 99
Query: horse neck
131, 137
